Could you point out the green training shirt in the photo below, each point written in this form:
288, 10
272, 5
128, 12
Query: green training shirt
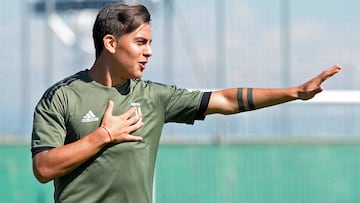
121, 172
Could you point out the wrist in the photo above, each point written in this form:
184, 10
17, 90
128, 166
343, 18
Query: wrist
294, 93
107, 132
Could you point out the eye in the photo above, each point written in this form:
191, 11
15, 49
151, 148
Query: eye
140, 41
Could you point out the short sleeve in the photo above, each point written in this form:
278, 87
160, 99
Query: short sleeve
49, 129
183, 105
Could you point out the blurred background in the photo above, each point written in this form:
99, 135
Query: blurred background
296, 152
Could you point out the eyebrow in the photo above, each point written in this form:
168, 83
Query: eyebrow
143, 38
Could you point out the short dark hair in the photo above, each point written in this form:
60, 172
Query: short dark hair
118, 19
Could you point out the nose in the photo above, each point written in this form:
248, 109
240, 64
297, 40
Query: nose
148, 51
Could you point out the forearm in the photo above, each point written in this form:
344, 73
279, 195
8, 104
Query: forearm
235, 100
57, 162
266, 97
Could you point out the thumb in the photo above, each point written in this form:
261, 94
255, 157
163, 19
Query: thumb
109, 108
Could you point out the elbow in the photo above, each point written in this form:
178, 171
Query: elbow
42, 179
41, 175
40, 170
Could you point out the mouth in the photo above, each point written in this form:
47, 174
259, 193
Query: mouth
143, 65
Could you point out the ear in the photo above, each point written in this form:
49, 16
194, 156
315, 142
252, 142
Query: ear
110, 43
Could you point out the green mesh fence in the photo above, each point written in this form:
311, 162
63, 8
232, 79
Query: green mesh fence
17, 183
258, 173
250, 173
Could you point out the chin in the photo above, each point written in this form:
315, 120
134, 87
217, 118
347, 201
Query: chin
137, 76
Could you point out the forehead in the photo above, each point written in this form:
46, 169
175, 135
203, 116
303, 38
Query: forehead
143, 31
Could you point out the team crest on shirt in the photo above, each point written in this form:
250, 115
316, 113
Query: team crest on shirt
89, 117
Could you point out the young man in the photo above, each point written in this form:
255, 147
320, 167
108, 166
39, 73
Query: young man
85, 135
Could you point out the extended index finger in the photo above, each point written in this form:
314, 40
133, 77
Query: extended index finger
328, 73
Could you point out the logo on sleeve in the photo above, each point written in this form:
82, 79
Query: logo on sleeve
89, 117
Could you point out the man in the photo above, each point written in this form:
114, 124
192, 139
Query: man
85, 135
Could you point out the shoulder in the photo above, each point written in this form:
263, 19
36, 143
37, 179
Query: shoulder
148, 87
138, 83
160, 89
148, 83
155, 86
62, 86
57, 94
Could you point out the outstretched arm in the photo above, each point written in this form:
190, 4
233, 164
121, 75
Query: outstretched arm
235, 100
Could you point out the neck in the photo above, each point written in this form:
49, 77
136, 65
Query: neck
102, 74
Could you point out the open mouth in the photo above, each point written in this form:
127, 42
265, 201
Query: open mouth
142, 65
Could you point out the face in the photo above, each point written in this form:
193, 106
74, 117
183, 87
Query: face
132, 53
